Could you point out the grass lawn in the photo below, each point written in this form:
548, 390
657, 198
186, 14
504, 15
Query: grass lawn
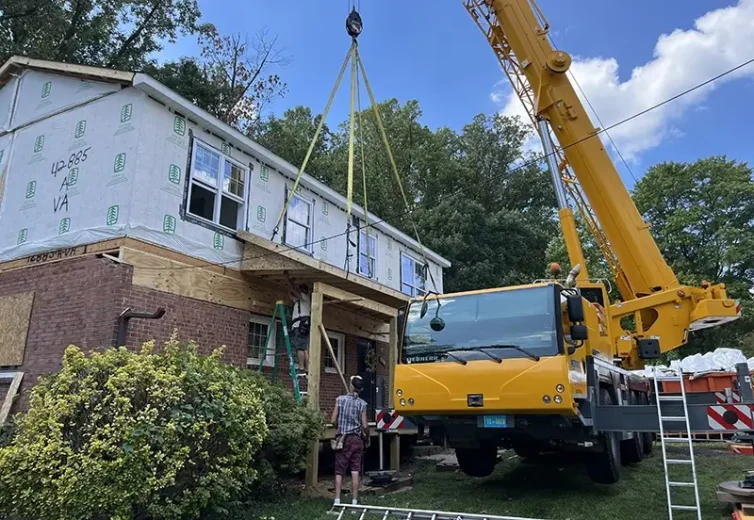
554, 490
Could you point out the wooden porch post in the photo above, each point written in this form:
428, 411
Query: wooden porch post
395, 440
315, 363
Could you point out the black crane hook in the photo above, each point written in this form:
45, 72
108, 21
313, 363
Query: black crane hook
354, 24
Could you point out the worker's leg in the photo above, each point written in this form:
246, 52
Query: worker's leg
338, 487
301, 358
356, 454
341, 465
355, 486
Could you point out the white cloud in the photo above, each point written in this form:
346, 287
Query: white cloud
720, 40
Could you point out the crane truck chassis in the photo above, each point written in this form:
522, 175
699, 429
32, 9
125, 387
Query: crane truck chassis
545, 366
528, 368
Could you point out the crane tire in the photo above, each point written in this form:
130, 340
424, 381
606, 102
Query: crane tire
604, 466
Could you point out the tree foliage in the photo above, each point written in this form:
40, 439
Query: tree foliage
141, 435
702, 216
469, 195
111, 33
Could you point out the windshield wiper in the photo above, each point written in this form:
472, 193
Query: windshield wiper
515, 347
450, 354
483, 351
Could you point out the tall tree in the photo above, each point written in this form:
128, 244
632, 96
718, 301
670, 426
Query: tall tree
112, 33
702, 216
234, 78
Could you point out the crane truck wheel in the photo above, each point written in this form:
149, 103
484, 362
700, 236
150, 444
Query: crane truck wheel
477, 462
632, 450
604, 466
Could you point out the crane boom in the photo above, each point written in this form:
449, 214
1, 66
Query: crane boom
663, 309
518, 28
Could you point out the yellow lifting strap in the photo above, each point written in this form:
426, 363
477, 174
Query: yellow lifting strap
394, 167
356, 66
314, 140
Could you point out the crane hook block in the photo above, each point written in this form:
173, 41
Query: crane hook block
558, 62
354, 25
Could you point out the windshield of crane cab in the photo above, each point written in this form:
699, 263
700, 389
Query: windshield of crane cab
523, 317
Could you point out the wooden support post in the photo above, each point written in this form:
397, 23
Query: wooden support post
314, 370
395, 440
12, 391
333, 357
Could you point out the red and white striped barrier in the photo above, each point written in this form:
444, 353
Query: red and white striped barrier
389, 420
730, 417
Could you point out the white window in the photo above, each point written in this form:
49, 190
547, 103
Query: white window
217, 192
259, 328
367, 255
413, 276
338, 342
298, 223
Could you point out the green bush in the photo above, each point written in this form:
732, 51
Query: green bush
292, 429
125, 435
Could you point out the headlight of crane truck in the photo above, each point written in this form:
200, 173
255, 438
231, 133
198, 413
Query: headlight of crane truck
530, 367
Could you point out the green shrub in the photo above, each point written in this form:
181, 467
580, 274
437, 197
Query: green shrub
126, 435
292, 428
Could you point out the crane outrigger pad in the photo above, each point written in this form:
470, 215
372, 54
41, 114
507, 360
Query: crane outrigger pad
348, 510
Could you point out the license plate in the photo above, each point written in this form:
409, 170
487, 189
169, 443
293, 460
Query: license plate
495, 421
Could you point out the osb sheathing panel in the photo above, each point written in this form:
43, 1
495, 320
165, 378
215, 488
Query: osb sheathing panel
15, 312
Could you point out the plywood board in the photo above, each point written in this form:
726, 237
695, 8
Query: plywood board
163, 274
15, 313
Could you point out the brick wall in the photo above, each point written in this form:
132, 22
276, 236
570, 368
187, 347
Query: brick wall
74, 303
78, 301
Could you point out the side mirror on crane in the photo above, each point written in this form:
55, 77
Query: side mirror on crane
575, 306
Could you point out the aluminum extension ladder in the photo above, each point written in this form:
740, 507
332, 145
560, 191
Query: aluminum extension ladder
390, 513
677, 377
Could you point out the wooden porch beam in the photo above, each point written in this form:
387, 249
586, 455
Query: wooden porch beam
341, 295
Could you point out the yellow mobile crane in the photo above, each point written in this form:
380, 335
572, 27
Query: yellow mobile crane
529, 367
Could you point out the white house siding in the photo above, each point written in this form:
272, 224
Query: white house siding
118, 164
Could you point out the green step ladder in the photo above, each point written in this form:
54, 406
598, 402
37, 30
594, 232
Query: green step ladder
292, 365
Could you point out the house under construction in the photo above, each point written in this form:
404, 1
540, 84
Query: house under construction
127, 212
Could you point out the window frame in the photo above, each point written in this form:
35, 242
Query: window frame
218, 190
370, 254
269, 360
415, 291
340, 352
308, 246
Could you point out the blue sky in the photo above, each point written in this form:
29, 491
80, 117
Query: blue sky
433, 52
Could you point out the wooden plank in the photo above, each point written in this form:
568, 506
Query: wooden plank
349, 322
333, 356
395, 452
339, 294
65, 253
145, 247
163, 274
12, 391
315, 362
15, 313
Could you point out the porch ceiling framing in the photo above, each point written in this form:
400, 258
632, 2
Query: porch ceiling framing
267, 260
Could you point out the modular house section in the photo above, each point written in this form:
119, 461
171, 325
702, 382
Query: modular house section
84, 160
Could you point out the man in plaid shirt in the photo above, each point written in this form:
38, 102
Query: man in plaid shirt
350, 414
